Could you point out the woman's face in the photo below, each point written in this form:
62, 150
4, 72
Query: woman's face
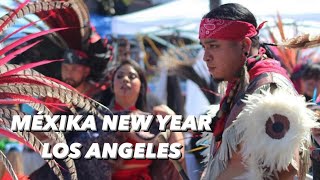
126, 82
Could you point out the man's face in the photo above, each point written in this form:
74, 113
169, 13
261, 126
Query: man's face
223, 58
74, 74
123, 53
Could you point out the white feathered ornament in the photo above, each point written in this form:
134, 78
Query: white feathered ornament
206, 137
274, 127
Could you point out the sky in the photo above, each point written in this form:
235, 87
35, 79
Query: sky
259, 7
187, 14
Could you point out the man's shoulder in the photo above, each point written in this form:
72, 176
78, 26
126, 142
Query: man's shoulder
267, 80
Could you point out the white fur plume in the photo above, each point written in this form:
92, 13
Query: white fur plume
206, 137
206, 140
258, 146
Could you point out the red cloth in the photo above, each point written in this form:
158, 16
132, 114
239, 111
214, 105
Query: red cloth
132, 174
55, 109
136, 173
7, 176
118, 107
227, 29
264, 66
136, 161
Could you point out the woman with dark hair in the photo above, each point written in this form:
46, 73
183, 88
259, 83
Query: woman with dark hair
311, 80
128, 96
129, 87
248, 142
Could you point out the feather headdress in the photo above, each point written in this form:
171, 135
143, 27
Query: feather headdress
272, 155
189, 69
21, 84
291, 51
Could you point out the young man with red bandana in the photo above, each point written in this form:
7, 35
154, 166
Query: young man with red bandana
256, 134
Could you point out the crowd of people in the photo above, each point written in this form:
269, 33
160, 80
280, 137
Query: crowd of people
262, 130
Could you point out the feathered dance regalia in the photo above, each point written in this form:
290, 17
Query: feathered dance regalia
69, 26
268, 130
268, 124
270, 121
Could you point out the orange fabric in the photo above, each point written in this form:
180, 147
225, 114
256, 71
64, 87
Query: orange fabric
7, 176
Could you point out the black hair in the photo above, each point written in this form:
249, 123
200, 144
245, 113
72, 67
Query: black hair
312, 71
299, 71
234, 11
71, 56
142, 97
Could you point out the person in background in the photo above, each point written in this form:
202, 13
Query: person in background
229, 34
129, 87
311, 81
75, 71
124, 49
14, 155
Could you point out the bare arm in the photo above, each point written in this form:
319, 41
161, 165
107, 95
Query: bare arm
288, 175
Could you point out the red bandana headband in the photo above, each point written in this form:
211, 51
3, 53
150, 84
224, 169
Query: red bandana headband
227, 29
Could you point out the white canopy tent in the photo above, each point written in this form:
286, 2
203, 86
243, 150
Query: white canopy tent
185, 15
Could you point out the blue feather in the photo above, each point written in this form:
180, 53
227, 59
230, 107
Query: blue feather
315, 93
